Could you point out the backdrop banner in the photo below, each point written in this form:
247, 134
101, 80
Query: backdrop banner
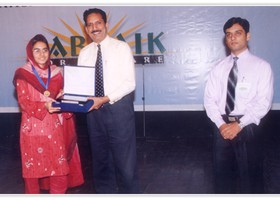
174, 47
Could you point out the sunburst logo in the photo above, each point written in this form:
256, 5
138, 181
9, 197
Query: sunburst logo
68, 54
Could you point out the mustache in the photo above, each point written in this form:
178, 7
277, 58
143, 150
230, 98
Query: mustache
95, 31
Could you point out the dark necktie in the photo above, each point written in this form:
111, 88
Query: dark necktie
99, 88
232, 80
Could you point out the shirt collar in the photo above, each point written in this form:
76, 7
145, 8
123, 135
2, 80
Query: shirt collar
103, 42
241, 55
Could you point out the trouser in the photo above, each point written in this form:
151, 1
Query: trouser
58, 185
238, 163
113, 144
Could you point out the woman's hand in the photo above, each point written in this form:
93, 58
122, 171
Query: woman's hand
49, 107
61, 93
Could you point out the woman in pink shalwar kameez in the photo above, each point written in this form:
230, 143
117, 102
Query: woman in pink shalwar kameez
49, 151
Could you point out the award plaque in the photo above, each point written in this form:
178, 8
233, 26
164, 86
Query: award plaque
73, 106
79, 84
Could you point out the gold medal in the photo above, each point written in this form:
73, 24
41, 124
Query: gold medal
47, 93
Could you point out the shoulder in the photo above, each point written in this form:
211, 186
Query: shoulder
26, 67
117, 43
53, 67
55, 70
258, 59
218, 70
260, 63
220, 65
86, 48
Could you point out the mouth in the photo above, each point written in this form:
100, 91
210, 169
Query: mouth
42, 58
233, 43
95, 32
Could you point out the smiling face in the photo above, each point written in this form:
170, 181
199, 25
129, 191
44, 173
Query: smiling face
237, 39
40, 53
96, 28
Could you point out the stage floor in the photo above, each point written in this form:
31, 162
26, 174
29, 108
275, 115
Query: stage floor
175, 160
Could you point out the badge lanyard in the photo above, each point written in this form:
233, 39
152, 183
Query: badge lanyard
46, 92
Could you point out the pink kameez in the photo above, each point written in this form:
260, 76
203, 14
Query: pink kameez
47, 141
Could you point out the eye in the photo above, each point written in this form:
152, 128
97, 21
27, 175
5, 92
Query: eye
45, 50
238, 33
228, 35
36, 51
89, 24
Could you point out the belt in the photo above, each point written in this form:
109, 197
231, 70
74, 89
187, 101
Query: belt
231, 118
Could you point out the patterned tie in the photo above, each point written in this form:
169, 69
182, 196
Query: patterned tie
99, 89
232, 80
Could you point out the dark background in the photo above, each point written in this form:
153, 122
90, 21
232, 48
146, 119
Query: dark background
174, 152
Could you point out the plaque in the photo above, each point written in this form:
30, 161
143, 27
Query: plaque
79, 84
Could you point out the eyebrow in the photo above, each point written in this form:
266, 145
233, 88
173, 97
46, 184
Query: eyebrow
37, 48
235, 31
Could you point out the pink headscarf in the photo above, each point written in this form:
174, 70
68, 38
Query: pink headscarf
29, 47
25, 72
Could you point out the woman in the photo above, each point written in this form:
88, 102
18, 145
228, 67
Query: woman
49, 151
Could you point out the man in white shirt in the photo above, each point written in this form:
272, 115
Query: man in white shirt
110, 121
237, 138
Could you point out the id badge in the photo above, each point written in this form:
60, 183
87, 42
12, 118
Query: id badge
243, 88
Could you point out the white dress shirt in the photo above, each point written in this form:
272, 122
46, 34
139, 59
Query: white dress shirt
118, 66
254, 90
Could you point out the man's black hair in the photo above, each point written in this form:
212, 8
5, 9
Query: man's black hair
237, 20
97, 11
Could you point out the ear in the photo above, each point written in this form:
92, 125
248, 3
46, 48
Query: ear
86, 29
248, 36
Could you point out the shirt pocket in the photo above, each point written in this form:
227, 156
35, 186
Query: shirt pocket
243, 90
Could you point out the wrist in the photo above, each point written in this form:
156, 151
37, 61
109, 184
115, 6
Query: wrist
241, 125
105, 99
46, 105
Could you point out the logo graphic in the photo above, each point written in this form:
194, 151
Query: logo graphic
68, 54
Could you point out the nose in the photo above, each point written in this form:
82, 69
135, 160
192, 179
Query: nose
41, 53
93, 26
231, 37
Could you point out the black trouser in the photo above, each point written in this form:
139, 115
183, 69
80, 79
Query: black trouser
113, 144
238, 163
